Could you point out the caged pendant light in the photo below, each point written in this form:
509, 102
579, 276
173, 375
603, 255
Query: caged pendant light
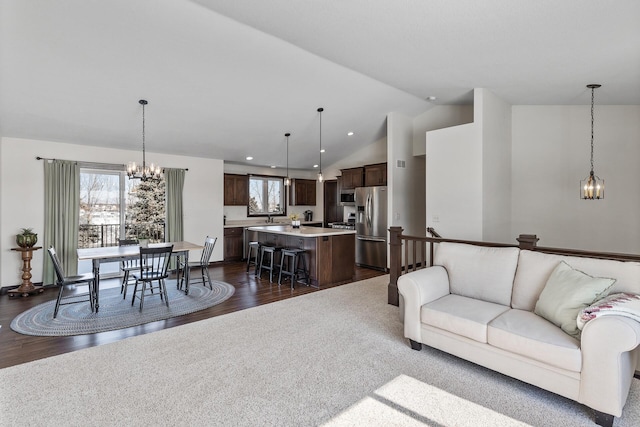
143, 172
592, 187
320, 110
287, 180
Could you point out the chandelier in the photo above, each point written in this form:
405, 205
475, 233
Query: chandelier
592, 187
143, 172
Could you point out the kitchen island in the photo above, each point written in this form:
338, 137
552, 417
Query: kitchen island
330, 251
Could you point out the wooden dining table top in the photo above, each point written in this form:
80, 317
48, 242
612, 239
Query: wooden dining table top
131, 250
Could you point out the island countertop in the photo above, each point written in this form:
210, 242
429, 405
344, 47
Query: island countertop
330, 252
303, 231
249, 223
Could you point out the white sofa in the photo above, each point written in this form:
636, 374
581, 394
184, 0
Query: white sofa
478, 302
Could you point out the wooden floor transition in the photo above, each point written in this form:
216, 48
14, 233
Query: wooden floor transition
250, 292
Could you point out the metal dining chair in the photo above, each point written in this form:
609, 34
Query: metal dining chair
155, 262
127, 266
203, 264
63, 282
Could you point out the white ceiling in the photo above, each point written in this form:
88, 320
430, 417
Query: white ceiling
227, 79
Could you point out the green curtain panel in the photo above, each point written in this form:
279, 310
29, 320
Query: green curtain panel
174, 184
61, 215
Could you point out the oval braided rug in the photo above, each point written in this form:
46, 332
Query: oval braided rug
117, 313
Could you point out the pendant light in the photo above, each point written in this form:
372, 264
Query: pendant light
287, 180
320, 110
592, 187
142, 172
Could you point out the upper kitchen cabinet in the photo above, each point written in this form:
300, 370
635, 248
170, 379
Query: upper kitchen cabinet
302, 192
236, 190
352, 178
375, 174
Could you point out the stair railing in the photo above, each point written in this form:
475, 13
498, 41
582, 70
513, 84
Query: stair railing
415, 254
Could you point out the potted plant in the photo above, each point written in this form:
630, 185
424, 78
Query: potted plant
144, 237
27, 238
295, 222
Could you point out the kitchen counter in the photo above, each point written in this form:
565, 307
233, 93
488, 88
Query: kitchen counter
330, 252
246, 224
235, 234
303, 231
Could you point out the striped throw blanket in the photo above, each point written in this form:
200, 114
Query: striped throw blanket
623, 304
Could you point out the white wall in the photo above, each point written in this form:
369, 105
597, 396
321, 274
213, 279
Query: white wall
454, 181
550, 155
531, 160
406, 184
493, 115
22, 194
438, 117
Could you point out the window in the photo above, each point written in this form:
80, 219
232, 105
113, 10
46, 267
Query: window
101, 208
266, 196
114, 207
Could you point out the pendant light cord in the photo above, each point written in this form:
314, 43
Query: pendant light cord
320, 110
144, 160
592, 98
288, 181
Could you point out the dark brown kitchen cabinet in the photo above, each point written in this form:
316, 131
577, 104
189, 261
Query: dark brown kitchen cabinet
375, 174
332, 210
233, 244
302, 192
352, 178
236, 190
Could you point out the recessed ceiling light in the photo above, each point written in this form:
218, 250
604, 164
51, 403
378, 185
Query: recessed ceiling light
322, 151
273, 166
249, 158
315, 166
350, 133
431, 98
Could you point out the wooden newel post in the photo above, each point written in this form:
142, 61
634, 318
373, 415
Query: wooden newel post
395, 265
527, 241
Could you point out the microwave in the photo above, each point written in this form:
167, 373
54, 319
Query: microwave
347, 197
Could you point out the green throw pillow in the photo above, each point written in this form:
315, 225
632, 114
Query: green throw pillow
566, 293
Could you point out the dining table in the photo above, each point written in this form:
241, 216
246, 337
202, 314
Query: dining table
120, 253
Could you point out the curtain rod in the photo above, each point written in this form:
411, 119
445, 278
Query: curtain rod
98, 164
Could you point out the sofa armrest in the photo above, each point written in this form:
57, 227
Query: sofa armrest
609, 356
418, 288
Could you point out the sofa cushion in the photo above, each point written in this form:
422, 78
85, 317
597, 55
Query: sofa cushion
484, 273
461, 315
534, 269
566, 293
524, 333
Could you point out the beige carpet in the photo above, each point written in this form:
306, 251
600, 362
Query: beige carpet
335, 357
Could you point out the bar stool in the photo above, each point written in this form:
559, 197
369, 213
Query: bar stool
294, 257
253, 255
271, 252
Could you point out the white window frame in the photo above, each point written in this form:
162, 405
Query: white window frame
265, 180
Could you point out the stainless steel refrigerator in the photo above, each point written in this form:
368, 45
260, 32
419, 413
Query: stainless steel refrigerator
371, 227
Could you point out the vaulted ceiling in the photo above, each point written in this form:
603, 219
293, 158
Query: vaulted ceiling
227, 79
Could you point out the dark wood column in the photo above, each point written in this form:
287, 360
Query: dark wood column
396, 265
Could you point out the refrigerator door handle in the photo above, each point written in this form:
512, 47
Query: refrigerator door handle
371, 239
369, 219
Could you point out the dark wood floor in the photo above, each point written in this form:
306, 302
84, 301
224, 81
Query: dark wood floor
250, 292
